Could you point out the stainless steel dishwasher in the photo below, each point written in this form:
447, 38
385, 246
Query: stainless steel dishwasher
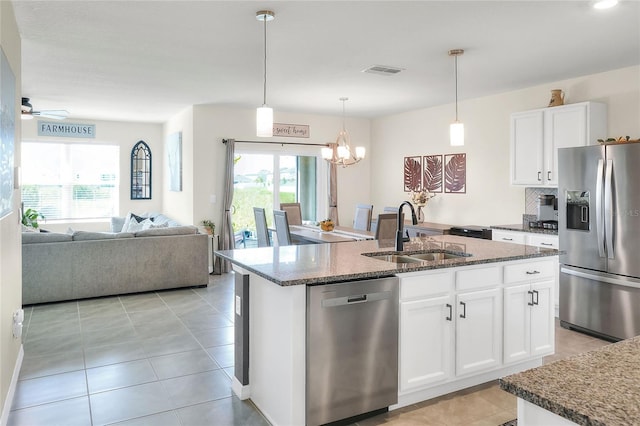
352, 349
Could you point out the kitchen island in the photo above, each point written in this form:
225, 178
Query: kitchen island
464, 320
598, 387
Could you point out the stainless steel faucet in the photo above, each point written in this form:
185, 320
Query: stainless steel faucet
399, 241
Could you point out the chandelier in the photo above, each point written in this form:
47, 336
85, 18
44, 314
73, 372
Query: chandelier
341, 152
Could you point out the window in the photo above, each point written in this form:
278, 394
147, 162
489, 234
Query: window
268, 179
70, 180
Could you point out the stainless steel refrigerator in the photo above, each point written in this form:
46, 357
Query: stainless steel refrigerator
599, 230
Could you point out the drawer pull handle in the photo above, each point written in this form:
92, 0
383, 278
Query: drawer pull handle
549, 175
546, 244
539, 176
531, 302
535, 293
507, 239
450, 312
464, 310
532, 272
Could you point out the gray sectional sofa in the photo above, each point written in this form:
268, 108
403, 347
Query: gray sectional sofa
65, 266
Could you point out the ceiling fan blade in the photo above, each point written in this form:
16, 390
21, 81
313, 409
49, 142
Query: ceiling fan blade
57, 114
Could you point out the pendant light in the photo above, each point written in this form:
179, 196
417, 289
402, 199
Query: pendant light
264, 114
456, 130
343, 155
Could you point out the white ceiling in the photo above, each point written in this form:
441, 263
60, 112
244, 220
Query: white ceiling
147, 60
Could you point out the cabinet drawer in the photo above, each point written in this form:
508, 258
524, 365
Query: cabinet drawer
425, 285
547, 241
530, 271
478, 277
508, 237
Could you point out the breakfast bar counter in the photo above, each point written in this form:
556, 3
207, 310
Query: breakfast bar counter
600, 387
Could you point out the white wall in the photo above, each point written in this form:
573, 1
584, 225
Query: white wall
214, 123
490, 199
10, 237
125, 135
179, 204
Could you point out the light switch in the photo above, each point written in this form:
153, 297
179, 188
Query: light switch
238, 306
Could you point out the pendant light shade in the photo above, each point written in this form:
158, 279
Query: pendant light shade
343, 154
456, 130
264, 114
264, 122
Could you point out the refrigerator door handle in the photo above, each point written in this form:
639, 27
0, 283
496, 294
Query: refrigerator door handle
608, 209
599, 217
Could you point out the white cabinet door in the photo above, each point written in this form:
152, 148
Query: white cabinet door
542, 240
542, 318
426, 353
478, 331
508, 236
527, 144
528, 321
517, 322
565, 127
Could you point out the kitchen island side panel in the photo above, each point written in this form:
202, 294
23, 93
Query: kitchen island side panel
277, 355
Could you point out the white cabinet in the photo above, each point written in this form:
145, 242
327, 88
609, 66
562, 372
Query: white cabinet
509, 236
426, 329
528, 238
425, 334
478, 331
529, 310
536, 136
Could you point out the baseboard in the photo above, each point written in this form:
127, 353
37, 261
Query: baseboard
8, 402
242, 391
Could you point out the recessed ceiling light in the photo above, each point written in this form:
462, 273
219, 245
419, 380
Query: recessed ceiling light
605, 4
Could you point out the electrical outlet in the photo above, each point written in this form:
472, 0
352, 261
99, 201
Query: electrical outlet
18, 319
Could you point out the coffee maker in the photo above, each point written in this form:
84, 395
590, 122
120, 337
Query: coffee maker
547, 216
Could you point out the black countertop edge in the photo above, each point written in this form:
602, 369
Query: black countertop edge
548, 405
333, 279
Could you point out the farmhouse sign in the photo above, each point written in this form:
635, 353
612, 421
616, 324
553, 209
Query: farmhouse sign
67, 130
291, 130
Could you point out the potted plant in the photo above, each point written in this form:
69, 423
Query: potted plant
30, 218
209, 226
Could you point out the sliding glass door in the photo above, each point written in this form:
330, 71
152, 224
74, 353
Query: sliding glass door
264, 179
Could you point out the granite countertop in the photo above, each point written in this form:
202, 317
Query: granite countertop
312, 264
600, 387
519, 227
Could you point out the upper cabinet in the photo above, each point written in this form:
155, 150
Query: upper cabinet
536, 136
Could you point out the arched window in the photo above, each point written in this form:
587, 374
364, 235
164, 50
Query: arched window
141, 172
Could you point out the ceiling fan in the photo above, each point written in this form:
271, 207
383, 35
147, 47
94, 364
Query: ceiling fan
28, 113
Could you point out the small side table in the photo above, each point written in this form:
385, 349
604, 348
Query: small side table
215, 266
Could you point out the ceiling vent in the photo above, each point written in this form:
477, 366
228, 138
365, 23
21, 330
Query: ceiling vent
382, 70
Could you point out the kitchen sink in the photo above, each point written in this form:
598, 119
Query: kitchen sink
396, 258
417, 257
439, 255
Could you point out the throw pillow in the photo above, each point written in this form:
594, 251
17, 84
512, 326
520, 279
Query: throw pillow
29, 229
131, 217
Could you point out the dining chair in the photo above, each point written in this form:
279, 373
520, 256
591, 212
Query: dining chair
294, 213
262, 232
362, 217
282, 227
387, 226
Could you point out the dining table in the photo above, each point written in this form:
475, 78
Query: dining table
315, 235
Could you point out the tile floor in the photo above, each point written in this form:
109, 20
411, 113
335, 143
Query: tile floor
166, 358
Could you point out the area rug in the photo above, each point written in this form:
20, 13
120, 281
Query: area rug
513, 422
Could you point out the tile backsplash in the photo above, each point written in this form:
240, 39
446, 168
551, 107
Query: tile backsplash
531, 198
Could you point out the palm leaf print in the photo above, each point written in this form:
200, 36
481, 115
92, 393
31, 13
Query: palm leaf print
432, 176
455, 173
412, 173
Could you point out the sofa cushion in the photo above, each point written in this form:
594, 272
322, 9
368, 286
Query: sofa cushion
117, 222
171, 230
44, 237
87, 235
